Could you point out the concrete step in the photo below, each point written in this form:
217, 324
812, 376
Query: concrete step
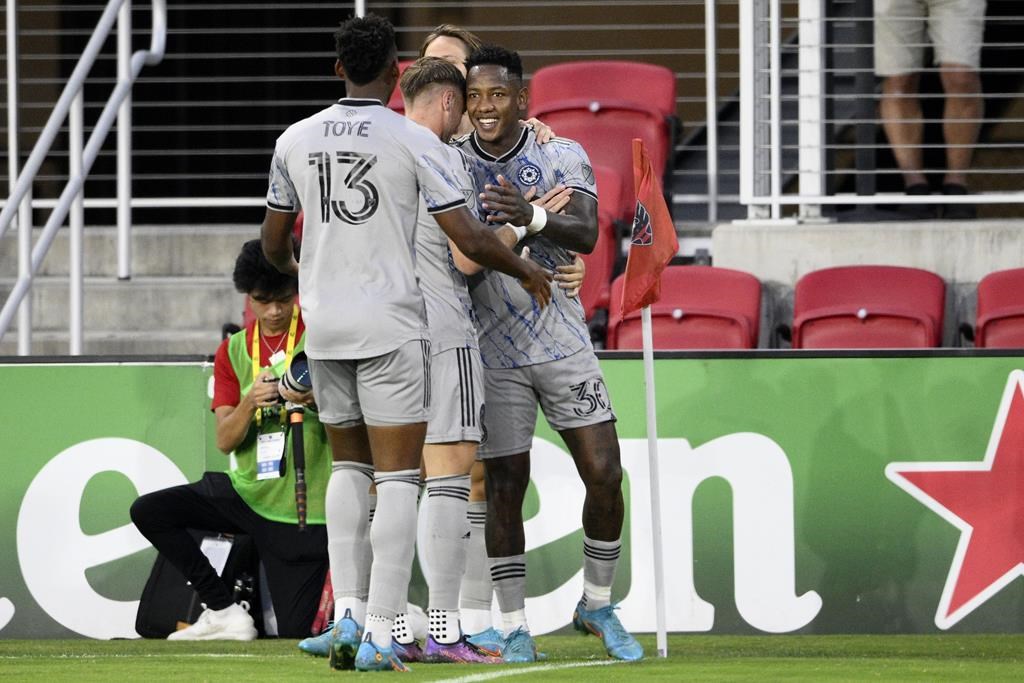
119, 342
136, 305
156, 250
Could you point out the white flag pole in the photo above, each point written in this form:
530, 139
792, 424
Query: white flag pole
655, 481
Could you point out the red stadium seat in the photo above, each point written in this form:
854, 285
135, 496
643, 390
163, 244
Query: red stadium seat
868, 307
701, 307
1000, 318
396, 103
596, 290
603, 105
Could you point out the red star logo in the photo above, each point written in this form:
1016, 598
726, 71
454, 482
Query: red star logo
984, 501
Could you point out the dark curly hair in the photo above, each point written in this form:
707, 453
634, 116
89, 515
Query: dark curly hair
365, 46
497, 56
254, 273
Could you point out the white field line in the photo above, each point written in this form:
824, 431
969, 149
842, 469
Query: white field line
506, 673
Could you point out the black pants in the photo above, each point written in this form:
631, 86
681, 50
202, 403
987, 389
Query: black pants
295, 562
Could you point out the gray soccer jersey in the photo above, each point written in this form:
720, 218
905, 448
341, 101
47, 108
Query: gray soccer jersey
358, 169
513, 331
445, 291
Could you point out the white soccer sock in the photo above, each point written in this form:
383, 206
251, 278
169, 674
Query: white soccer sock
510, 621
401, 631
348, 536
443, 625
599, 561
379, 627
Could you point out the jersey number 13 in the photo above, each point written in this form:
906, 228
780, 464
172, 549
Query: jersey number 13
355, 179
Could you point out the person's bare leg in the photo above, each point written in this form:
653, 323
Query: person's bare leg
901, 114
961, 119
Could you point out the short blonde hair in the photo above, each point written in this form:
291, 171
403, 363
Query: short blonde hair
427, 71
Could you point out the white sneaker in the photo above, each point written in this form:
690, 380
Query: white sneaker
230, 623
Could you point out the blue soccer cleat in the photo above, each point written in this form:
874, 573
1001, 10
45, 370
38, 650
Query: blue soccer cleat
318, 646
519, 647
490, 642
372, 658
345, 637
605, 625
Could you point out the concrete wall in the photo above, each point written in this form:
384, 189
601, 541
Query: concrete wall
961, 253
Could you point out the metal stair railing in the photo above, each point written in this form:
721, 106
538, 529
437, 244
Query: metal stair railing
70, 106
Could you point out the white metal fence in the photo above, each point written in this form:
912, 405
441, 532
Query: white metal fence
812, 134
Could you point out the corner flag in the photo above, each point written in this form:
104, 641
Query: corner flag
654, 240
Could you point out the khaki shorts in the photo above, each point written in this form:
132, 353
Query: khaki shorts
387, 390
457, 392
571, 392
903, 29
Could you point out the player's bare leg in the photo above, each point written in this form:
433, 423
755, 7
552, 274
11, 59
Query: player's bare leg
507, 479
595, 450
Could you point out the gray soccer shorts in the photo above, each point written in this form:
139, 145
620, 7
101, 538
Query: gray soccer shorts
387, 390
457, 392
571, 392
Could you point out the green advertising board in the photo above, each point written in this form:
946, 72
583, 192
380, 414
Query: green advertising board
799, 493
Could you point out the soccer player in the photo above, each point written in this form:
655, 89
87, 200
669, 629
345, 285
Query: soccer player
358, 169
533, 355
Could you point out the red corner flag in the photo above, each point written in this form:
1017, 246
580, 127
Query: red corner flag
654, 240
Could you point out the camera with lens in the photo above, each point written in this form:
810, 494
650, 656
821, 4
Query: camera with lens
296, 378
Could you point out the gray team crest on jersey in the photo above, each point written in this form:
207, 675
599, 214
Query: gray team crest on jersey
529, 174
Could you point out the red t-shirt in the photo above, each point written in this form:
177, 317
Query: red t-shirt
226, 389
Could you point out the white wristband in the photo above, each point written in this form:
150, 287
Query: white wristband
540, 219
519, 230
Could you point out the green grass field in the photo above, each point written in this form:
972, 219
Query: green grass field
570, 658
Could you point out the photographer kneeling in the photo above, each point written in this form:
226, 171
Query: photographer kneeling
258, 496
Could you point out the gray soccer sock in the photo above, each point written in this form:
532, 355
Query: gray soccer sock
509, 577
348, 534
599, 561
477, 589
393, 536
445, 549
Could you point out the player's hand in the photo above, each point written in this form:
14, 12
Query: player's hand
553, 201
264, 390
570, 277
538, 282
543, 131
504, 203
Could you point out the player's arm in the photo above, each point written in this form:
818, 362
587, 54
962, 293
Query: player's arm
276, 238
575, 229
554, 200
480, 244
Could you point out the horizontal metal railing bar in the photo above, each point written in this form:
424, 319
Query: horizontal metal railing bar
854, 70
854, 96
327, 29
894, 171
951, 145
888, 198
